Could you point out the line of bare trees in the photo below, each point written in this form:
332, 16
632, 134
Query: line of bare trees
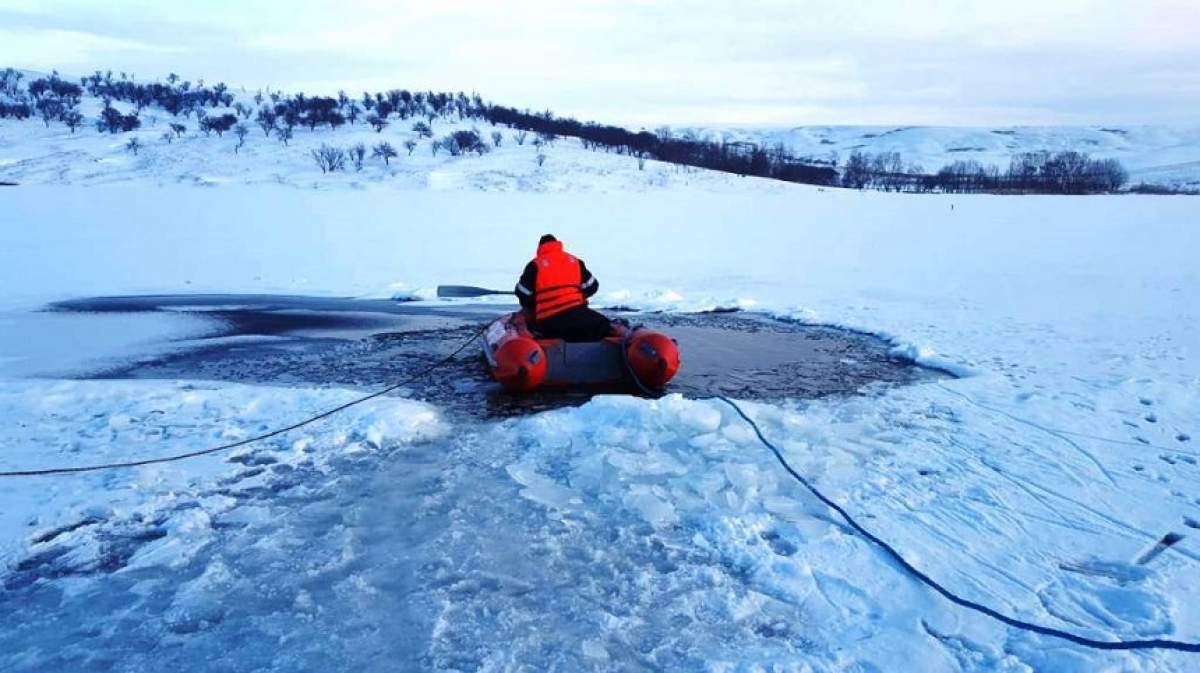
739, 158
1040, 172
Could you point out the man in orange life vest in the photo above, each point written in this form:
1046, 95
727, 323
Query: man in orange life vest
554, 289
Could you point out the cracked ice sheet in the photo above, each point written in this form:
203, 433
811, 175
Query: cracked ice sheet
543, 542
999, 512
67, 423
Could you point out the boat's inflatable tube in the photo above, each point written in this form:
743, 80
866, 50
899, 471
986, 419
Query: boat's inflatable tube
522, 360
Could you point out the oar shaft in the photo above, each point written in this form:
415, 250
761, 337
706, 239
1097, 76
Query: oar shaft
458, 291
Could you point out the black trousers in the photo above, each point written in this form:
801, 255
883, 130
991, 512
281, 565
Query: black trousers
575, 324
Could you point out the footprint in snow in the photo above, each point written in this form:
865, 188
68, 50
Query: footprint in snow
1183, 437
1190, 522
1151, 418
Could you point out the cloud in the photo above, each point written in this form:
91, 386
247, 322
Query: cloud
40, 49
640, 61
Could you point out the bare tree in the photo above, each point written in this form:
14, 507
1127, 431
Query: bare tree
376, 122
410, 145
284, 134
266, 120
357, 154
73, 119
520, 137
240, 130
384, 151
329, 159
133, 146
856, 173
497, 138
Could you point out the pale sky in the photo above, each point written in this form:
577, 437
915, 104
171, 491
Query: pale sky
639, 62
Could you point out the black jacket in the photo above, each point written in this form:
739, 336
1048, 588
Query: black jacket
527, 285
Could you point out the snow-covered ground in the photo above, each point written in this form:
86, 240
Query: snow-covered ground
1159, 155
626, 533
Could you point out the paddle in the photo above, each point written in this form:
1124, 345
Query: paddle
459, 291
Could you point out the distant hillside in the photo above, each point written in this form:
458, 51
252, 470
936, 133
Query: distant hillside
1153, 154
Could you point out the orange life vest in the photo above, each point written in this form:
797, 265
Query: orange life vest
558, 280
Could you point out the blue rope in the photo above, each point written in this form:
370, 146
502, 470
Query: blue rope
1151, 644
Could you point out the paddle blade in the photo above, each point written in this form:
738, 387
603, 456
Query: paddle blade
459, 291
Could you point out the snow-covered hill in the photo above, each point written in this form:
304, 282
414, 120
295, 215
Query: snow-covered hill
1159, 155
34, 153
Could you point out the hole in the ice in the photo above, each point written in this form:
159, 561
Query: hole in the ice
371, 343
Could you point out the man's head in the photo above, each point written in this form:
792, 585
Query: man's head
546, 239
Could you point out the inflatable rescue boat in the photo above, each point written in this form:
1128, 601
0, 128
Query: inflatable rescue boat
522, 360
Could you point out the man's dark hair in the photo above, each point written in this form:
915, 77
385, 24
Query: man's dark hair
546, 239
